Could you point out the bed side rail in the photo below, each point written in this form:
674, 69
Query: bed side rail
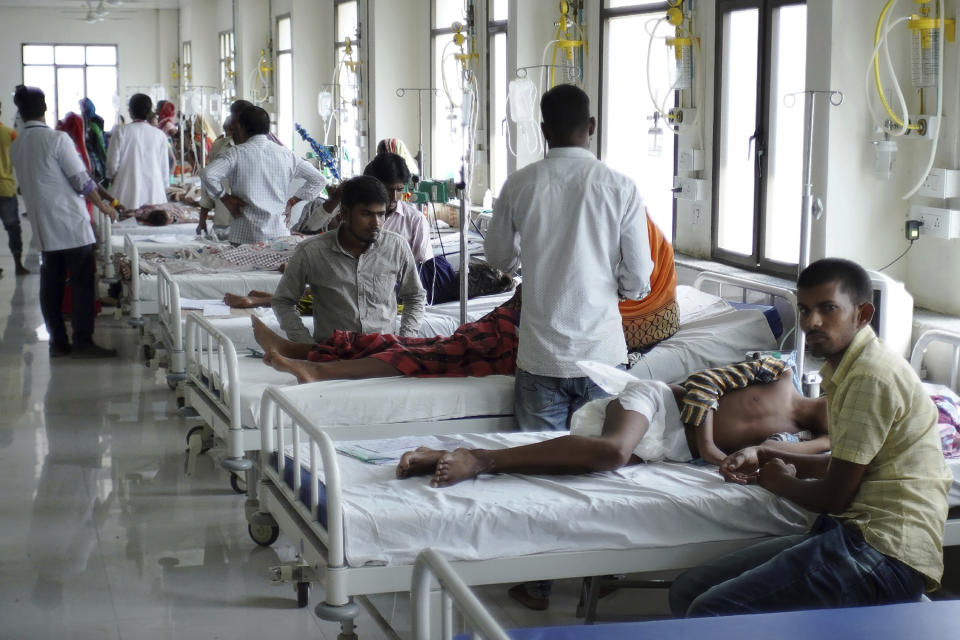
168, 299
453, 590
281, 423
211, 364
133, 254
933, 336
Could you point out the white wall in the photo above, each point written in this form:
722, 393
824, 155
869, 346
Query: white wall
145, 44
312, 63
200, 23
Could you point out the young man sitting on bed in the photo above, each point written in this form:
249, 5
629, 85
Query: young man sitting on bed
712, 412
882, 490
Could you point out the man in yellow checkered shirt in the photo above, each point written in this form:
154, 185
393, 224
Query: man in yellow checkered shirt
882, 491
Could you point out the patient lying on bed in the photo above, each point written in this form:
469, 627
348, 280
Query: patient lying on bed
712, 413
482, 348
160, 215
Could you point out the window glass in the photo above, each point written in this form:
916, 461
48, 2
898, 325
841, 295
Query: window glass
498, 9
785, 156
628, 110
44, 79
37, 54
735, 213
285, 98
445, 162
102, 55
101, 86
69, 90
346, 21
446, 12
498, 112
283, 34
617, 4
69, 54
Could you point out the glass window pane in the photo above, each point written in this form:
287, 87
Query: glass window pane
349, 116
499, 9
446, 12
69, 90
69, 54
498, 113
285, 98
101, 87
616, 4
283, 34
735, 203
785, 157
102, 55
37, 54
43, 79
346, 21
445, 160
627, 106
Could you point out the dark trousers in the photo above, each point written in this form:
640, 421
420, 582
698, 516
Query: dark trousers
11, 222
80, 263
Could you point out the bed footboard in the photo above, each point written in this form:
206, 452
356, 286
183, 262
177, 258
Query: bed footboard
212, 370
934, 336
171, 325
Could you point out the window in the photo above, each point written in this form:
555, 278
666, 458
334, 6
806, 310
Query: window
228, 84
67, 72
285, 81
446, 142
626, 109
758, 142
497, 93
348, 86
186, 64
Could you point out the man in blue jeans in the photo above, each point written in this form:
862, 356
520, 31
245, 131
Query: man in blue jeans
882, 490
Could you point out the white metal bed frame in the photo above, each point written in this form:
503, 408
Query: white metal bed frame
279, 508
951, 532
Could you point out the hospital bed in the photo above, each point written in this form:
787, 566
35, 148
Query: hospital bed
352, 565
110, 237
455, 600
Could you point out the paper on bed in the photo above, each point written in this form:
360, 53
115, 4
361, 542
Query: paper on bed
198, 303
216, 310
389, 451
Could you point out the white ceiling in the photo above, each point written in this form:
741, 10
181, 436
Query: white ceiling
81, 4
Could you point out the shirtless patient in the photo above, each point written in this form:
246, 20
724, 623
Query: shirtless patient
650, 420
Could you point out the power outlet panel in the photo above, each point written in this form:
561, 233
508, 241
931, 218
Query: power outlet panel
690, 188
689, 160
941, 184
937, 223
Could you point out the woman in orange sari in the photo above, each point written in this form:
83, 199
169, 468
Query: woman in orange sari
646, 322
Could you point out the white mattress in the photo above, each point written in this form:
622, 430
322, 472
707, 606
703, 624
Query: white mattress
212, 286
133, 228
347, 402
388, 521
165, 242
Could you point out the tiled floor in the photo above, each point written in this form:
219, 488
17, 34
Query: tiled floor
103, 535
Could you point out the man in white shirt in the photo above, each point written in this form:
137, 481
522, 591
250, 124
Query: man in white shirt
259, 172
581, 230
138, 158
54, 182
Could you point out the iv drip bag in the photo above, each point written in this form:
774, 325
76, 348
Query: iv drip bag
522, 95
325, 104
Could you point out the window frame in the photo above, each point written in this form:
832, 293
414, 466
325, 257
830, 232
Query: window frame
54, 107
757, 260
494, 28
232, 57
355, 40
186, 63
606, 15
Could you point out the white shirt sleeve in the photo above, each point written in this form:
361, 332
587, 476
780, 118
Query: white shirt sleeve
212, 176
636, 266
502, 244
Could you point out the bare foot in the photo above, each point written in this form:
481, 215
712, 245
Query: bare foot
457, 466
264, 336
304, 370
259, 294
419, 462
234, 301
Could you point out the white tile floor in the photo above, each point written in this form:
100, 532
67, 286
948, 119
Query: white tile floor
102, 535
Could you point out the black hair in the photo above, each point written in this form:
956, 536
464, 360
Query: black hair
156, 218
484, 280
140, 106
255, 121
362, 190
565, 109
30, 101
388, 168
237, 106
854, 279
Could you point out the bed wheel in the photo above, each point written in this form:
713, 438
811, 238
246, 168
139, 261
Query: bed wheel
238, 484
172, 384
303, 594
265, 535
199, 432
148, 352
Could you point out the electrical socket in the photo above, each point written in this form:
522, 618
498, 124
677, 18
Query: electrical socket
689, 188
937, 223
689, 159
941, 184
697, 214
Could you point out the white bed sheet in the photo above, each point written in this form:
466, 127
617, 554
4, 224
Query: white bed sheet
166, 242
204, 286
133, 228
388, 521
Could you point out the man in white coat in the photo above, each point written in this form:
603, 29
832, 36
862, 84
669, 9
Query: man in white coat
137, 159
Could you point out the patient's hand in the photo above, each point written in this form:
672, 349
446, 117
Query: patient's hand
773, 472
741, 467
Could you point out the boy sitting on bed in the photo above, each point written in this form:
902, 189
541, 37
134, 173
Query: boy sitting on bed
713, 412
884, 482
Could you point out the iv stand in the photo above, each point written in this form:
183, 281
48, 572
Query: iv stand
402, 91
811, 207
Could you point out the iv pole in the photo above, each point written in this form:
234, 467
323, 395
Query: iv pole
811, 207
401, 91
